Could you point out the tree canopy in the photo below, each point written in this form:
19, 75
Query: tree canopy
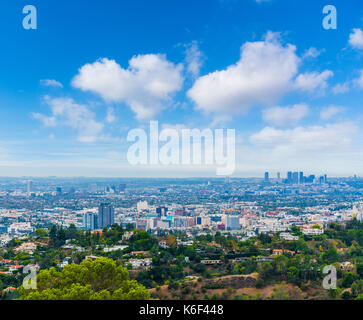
101, 279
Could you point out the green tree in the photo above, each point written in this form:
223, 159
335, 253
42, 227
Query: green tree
41, 233
360, 270
348, 280
331, 256
101, 279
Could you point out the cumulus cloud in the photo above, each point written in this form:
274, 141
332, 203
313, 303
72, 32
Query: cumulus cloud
145, 86
328, 112
341, 88
356, 38
285, 116
66, 112
302, 140
312, 53
312, 81
110, 117
51, 83
263, 73
193, 59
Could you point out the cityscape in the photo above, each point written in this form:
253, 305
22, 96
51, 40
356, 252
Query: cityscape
224, 229
180, 159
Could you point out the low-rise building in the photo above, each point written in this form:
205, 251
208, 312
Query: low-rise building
138, 263
288, 236
28, 247
210, 261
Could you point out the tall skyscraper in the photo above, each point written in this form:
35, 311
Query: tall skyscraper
29, 186
161, 211
106, 216
90, 221
278, 176
289, 177
301, 177
295, 177
267, 177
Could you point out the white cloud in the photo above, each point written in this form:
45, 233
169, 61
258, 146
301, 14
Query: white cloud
285, 116
305, 141
312, 81
341, 88
51, 83
47, 121
356, 38
193, 59
328, 112
110, 117
312, 53
261, 76
145, 86
64, 111
359, 80
265, 72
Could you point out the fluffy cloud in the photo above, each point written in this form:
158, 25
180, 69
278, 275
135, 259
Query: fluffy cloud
302, 140
64, 111
110, 117
329, 112
193, 59
145, 86
51, 83
263, 73
285, 116
356, 38
312, 53
312, 81
341, 88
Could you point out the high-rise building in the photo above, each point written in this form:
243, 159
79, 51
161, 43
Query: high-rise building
278, 176
301, 177
90, 221
289, 177
267, 177
161, 211
106, 216
295, 177
29, 186
232, 223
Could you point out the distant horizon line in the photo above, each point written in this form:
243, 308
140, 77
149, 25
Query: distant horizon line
172, 177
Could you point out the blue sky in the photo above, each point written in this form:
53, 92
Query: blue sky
72, 89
